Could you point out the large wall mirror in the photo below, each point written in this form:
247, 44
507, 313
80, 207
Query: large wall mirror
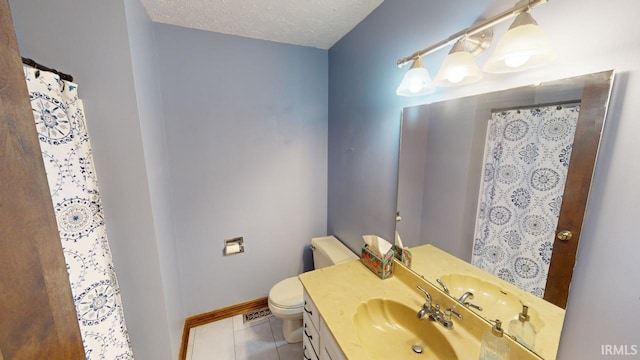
501, 181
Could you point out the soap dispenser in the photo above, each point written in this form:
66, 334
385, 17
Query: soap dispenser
494, 346
522, 329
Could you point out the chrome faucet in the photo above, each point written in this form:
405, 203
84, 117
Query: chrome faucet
434, 313
444, 317
465, 296
463, 300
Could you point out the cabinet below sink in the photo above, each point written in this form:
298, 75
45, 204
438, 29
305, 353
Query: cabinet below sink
317, 341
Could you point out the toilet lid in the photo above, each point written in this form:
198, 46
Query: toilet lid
287, 294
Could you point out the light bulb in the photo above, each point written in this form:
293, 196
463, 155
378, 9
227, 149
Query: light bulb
455, 76
458, 68
516, 61
416, 81
524, 46
415, 87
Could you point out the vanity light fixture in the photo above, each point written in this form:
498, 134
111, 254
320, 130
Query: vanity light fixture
523, 47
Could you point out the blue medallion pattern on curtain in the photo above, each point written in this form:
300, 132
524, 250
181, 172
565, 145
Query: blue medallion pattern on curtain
66, 151
526, 161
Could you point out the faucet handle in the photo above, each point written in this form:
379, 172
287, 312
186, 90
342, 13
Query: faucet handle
426, 294
449, 312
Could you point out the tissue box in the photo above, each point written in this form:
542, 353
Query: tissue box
403, 255
383, 268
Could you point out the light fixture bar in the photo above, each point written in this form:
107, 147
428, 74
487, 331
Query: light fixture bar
519, 8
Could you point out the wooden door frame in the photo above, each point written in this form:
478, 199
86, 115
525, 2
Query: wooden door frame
37, 314
593, 110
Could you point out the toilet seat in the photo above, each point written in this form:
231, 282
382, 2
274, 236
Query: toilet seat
287, 294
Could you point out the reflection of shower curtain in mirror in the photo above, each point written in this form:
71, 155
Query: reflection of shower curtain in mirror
524, 171
66, 151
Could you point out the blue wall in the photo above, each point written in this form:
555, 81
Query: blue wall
148, 97
364, 115
246, 136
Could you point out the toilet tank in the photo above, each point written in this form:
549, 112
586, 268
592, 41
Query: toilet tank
328, 250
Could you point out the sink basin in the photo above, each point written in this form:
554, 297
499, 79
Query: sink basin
390, 330
496, 301
484, 292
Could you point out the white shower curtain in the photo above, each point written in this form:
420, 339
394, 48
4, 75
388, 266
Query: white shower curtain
66, 151
525, 167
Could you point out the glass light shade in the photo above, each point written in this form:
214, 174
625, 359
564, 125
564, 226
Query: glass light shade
458, 68
416, 81
524, 46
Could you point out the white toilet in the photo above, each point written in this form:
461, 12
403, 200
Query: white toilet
285, 297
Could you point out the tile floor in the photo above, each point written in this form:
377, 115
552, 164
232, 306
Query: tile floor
230, 339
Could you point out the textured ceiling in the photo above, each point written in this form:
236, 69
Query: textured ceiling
314, 23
